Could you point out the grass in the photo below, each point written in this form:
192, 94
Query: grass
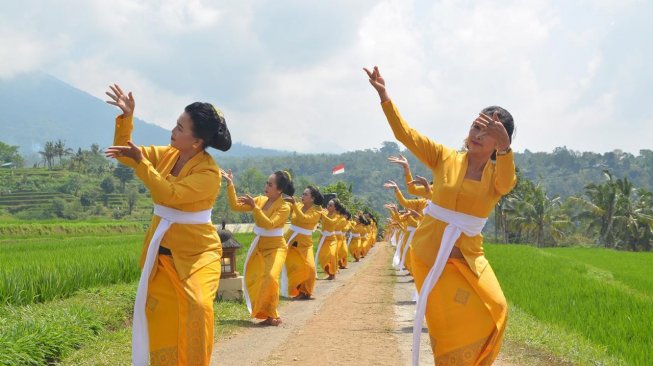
91, 328
11, 231
588, 306
38, 270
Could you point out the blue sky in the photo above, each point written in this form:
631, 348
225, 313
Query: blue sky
288, 73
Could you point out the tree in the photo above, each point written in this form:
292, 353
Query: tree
132, 197
9, 154
108, 187
48, 153
124, 174
60, 150
539, 217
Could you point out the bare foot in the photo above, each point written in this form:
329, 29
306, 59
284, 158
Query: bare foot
302, 296
271, 321
331, 277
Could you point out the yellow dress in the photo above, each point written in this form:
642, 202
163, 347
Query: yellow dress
300, 262
416, 205
355, 246
466, 310
328, 255
182, 288
342, 227
264, 266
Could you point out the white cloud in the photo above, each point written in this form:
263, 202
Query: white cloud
153, 103
444, 61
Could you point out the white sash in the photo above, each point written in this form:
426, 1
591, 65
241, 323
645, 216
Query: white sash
458, 223
284, 272
169, 216
325, 234
393, 238
411, 230
351, 236
259, 231
397, 257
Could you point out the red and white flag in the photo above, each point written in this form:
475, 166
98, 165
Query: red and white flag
338, 169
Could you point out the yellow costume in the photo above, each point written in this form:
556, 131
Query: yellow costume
411, 222
327, 255
300, 262
182, 287
342, 227
355, 246
466, 310
264, 265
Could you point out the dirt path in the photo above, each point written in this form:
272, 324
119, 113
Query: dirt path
365, 317
349, 322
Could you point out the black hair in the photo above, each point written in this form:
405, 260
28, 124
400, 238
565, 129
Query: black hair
209, 125
284, 182
318, 199
363, 220
506, 120
339, 207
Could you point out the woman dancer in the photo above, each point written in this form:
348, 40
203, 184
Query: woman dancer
326, 249
267, 252
458, 292
299, 270
173, 312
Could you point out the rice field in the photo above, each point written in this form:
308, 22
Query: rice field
604, 297
583, 298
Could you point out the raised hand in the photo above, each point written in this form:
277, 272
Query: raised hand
401, 160
414, 213
227, 175
391, 185
422, 182
131, 151
121, 100
289, 199
378, 83
494, 128
247, 200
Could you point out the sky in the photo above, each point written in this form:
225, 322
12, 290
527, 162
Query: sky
288, 73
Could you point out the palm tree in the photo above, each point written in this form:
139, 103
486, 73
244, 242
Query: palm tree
538, 216
48, 154
599, 209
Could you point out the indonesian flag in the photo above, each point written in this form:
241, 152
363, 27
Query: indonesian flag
338, 169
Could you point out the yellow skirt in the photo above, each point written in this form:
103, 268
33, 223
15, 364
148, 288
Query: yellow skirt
466, 315
300, 266
327, 256
180, 314
343, 252
355, 248
263, 271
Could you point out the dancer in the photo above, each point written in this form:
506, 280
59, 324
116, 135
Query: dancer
298, 276
180, 259
326, 249
458, 292
267, 252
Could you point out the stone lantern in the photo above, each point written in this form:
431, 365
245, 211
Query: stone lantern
231, 283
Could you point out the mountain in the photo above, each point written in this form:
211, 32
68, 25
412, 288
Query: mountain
38, 107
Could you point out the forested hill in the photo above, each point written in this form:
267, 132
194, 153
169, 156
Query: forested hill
563, 172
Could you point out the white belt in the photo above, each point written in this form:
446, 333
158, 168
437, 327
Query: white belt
458, 223
397, 257
259, 231
411, 230
351, 236
338, 232
284, 272
169, 216
325, 234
